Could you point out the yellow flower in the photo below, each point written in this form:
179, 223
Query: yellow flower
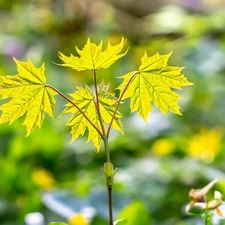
78, 219
205, 145
43, 178
163, 147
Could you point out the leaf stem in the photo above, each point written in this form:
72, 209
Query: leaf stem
119, 101
76, 106
97, 104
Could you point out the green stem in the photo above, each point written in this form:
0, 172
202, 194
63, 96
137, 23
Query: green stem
109, 181
206, 217
107, 152
206, 212
76, 106
97, 104
119, 101
106, 145
110, 205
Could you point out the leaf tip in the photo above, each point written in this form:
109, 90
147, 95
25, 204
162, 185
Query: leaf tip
14, 58
16, 61
189, 83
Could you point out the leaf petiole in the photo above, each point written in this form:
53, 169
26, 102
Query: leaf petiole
77, 107
119, 101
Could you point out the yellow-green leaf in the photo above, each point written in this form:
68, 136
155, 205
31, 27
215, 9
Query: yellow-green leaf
85, 100
91, 57
153, 82
28, 95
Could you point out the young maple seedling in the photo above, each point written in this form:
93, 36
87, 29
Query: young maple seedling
97, 111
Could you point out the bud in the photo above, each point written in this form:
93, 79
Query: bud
109, 173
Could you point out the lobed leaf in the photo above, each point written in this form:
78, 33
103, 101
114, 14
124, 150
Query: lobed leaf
85, 100
91, 57
29, 95
153, 82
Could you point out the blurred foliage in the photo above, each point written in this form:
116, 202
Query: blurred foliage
158, 162
135, 213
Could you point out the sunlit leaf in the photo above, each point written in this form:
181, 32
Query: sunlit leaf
135, 213
28, 95
85, 100
91, 57
153, 82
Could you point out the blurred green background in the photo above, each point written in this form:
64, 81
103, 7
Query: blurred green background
158, 162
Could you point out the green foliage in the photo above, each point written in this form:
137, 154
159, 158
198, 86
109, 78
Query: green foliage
152, 83
96, 112
121, 222
135, 213
57, 223
85, 100
28, 94
92, 57
196, 210
197, 42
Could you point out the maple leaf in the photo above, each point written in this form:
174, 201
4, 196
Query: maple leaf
28, 94
153, 83
85, 100
92, 57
